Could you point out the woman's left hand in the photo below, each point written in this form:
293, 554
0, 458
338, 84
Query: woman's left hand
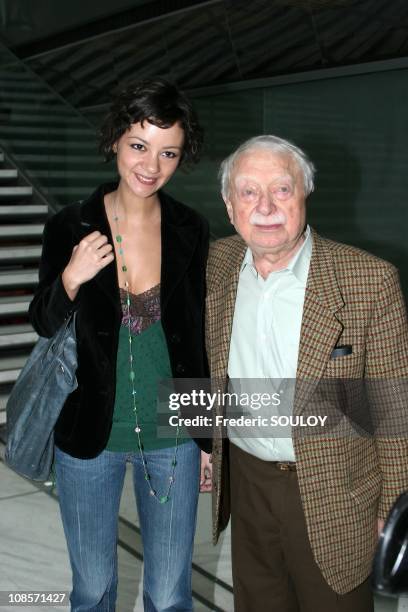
206, 473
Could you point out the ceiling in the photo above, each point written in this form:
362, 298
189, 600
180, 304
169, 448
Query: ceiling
201, 44
27, 21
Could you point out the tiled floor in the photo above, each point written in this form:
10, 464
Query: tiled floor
33, 553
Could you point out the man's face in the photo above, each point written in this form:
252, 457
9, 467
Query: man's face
266, 203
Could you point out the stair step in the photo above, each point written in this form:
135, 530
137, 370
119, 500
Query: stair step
10, 368
40, 96
14, 305
63, 111
66, 160
21, 231
13, 362
71, 194
18, 73
27, 85
12, 131
51, 145
82, 185
19, 254
8, 174
3, 403
16, 328
104, 172
18, 278
8, 377
36, 119
16, 336
16, 192
22, 210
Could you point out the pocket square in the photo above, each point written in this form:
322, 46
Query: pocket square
341, 351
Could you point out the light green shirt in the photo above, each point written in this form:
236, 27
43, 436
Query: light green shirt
265, 345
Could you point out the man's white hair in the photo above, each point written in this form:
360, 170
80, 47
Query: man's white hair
276, 145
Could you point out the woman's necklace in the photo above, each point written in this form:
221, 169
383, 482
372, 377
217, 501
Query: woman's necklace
160, 498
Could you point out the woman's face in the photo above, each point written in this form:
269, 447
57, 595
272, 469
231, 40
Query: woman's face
147, 156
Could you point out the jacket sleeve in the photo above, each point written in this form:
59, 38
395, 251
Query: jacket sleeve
51, 305
387, 371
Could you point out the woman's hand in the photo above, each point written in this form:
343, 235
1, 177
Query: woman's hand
88, 258
206, 473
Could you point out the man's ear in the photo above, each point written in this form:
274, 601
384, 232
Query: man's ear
230, 210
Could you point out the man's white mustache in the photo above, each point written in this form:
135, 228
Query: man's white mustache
258, 219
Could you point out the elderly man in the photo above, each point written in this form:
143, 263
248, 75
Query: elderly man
285, 303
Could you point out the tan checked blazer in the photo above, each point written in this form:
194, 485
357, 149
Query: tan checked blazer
346, 482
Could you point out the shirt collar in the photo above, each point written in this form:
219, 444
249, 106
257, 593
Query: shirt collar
298, 265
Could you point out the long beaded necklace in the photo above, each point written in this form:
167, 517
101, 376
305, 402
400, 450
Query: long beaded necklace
162, 499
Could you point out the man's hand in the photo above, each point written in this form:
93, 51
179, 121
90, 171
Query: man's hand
205, 473
380, 526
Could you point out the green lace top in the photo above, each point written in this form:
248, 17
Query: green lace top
151, 364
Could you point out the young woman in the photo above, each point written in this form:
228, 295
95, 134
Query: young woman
131, 261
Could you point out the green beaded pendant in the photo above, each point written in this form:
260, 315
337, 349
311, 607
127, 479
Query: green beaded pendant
162, 499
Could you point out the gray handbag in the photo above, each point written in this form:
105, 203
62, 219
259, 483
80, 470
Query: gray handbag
36, 400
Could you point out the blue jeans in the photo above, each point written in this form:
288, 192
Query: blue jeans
89, 492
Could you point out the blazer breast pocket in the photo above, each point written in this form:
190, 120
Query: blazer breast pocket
345, 363
341, 351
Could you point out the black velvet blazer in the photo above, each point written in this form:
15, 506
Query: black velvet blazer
84, 425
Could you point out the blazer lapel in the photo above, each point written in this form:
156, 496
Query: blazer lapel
93, 218
220, 308
321, 322
179, 238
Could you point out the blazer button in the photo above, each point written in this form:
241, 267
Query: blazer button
175, 338
180, 369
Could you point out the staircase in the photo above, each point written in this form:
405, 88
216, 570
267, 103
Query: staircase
48, 158
22, 215
55, 145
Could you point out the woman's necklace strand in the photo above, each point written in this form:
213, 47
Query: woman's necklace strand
160, 498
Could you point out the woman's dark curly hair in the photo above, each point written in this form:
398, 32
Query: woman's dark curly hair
158, 102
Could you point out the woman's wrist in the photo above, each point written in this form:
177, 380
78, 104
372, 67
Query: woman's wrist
71, 288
